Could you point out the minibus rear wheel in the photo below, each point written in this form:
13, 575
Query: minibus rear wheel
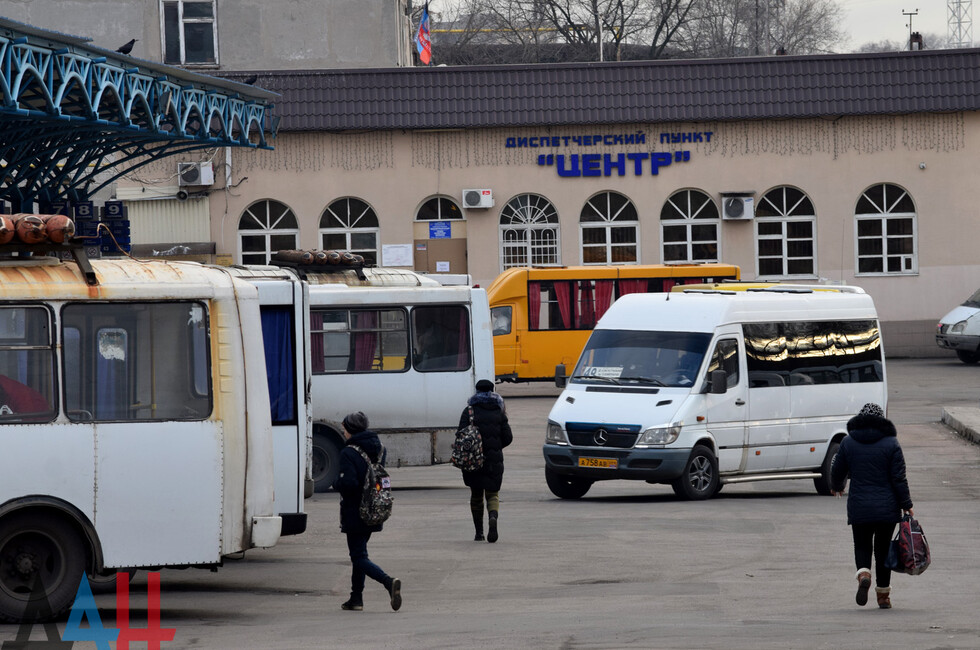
566, 487
326, 461
823, 483
700, 478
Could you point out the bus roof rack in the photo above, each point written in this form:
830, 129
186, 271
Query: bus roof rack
317, 261
75, 248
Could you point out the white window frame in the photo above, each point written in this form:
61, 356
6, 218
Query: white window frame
181, 21
600, 205
909, 261
348, 226
270, 227
532, 229
786, 214
689, 217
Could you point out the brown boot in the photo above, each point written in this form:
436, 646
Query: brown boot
864, 584
883, 593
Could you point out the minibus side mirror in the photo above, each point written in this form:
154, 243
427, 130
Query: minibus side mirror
718, 384
561, 379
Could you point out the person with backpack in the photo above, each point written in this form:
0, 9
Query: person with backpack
488, 414
879, 493
353, 468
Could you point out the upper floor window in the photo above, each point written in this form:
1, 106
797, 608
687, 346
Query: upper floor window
439, 209
885, 222
689, 224
351, 224
609, 224
266, 227
785, 228
190, 32
529, 232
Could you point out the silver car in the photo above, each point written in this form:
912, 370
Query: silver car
959, 330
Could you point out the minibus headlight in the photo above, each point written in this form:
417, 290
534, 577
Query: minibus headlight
958, 328
659, 436
556, 435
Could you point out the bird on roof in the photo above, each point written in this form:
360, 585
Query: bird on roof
128, 47
251, 80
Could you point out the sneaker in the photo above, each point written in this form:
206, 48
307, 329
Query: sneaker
864, 584
353, 605
395, 590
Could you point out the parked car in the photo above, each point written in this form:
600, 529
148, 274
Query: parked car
959, 330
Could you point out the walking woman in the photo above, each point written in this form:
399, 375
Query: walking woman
350, 484
879, 494
490, 418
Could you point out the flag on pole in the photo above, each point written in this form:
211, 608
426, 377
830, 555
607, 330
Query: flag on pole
423, 43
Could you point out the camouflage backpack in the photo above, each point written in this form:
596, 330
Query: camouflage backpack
376, 498
468, 447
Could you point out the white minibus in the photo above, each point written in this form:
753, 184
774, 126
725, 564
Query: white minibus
134, 422
700, 389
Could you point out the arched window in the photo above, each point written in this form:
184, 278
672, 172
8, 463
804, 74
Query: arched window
529, 232
266, 227
609, 225
785, 231
689, 227
439, 209
885, 225
350, 224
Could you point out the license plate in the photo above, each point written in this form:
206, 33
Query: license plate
603, 463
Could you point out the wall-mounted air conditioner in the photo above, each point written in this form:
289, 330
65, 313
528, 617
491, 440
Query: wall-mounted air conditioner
195, 173
477, 199
737, 205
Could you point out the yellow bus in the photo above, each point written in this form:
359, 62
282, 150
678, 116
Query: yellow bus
542, 317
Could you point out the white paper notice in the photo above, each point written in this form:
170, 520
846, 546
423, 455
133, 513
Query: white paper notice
442, 267
396, 255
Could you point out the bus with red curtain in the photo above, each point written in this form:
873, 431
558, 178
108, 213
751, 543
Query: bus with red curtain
542, 317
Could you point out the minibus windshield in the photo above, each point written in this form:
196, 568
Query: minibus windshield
629, 357
973, 301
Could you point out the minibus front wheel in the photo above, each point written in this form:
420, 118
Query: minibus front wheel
700, 478
566, 487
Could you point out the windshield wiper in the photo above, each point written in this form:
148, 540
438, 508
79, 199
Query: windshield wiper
644, 380
611, 380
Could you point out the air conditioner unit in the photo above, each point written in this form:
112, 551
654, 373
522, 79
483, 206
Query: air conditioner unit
737, 207
477, 199
196, 173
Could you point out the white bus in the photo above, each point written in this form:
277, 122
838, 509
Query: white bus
399, 346
705, 388
134, 423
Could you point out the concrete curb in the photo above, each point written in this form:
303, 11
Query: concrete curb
964, 420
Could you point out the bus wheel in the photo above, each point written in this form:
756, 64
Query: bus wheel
106, 584
42, 558
566, 487
326, 460
823, 483
700, 478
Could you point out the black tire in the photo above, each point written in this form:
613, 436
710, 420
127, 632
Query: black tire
44, 550
968, 358
700, 478
326, 460
106, 584
566, 487
823, 483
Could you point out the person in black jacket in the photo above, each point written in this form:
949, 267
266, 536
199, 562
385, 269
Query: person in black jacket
350, 484
879, 494
490, 418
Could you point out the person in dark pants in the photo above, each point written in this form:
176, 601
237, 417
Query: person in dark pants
490, 418
350, 485
879, 494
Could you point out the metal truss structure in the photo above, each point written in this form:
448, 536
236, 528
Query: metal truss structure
75, 117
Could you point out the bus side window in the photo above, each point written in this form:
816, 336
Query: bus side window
501, 317
26, 365
442, 341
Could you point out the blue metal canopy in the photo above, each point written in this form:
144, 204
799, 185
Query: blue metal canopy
75, 117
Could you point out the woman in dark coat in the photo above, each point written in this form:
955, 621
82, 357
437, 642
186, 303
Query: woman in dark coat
490, 418
879, 494
350, 485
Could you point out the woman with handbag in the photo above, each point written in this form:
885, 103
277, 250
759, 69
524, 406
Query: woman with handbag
487, 410
878, 496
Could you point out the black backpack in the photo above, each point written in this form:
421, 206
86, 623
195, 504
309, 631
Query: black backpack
468, 447
376, 498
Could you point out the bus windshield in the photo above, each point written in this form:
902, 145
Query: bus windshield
628, 357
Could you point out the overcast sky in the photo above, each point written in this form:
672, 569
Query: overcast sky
874, 20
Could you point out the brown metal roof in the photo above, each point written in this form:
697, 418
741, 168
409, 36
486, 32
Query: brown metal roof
468, 97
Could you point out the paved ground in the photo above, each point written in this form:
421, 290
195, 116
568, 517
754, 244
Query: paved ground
765, 565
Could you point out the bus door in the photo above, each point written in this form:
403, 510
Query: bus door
137, 379
504, 322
